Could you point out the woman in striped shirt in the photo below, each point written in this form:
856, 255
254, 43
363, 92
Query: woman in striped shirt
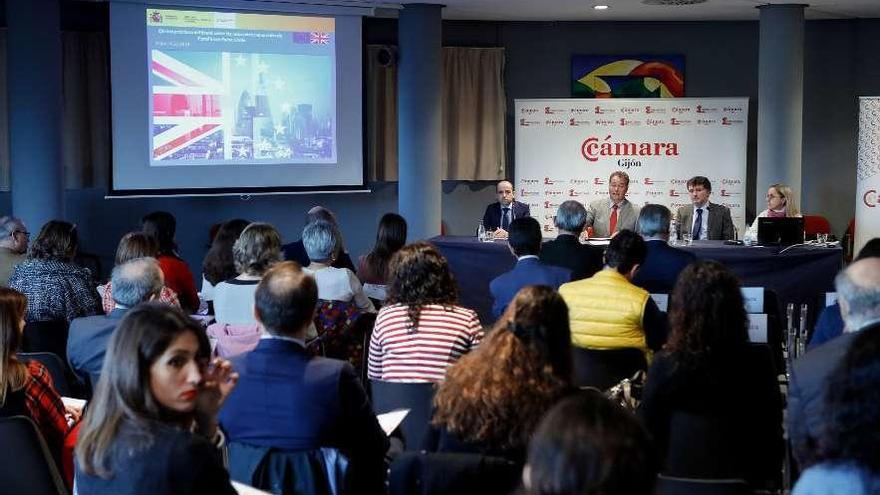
421, 331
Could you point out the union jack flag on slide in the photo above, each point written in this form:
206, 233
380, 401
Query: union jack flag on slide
188, 120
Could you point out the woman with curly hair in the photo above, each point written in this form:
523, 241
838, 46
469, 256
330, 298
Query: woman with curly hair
712, 401
255, 251
422, 330
56, 288
219, 265
493, 398
849, 448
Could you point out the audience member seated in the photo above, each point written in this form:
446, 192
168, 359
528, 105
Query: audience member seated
524, 241
151, 426
296, 251
219, 265
132, 246
373, 267
13, 246
712, 402
849, 459
290, 400
566, 250
494, 397
26, 389
422, 330
607, 311
255, 251
589, 445
858, 292
322, 240
781, 203
55, 287
663, 263
829, 325
134, 282
162, 226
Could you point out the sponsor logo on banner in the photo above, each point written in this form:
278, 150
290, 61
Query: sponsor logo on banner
626, 122
674, 205
550, 216
602, 111
575, 123
653, 194
592, 148
731, 205
604, 122
553, 111
526, 192
548, 182
655, 122
573, 194
528, 110
548, 204
528, 123
548, 227
534, 205
598, 181
729, 121
702, 109
530, 181
630, 110
650, 182
678, 181
727, 181
675, 121
706, 121
732, 109
726, 194
553, 192
554, 123
600, 192
653, 110
673, 193
681, 110
579, 110
579, 182
870, 198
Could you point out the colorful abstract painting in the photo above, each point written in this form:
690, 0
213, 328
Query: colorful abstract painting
627, 76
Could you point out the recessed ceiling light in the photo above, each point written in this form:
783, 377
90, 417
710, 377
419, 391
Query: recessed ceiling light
600, 7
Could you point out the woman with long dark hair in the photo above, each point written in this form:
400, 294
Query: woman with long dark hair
219, 263
26, 388
391, 236
151, 426
422, 330
712, 401
178, 277
486, 404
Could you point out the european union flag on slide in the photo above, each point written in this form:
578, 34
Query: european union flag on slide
301, 38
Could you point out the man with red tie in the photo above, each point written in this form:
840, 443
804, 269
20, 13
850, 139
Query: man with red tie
608, 216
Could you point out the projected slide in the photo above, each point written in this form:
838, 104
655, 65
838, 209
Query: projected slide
230, 88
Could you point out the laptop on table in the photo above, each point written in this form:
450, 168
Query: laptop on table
780, 231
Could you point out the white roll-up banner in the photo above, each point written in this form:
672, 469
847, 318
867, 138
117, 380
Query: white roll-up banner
568, 148
868, 173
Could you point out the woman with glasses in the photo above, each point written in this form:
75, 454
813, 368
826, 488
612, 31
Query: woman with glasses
781, 203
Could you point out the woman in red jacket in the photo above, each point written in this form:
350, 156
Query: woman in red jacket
162, 226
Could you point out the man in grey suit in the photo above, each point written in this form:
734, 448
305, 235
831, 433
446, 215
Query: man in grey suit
133, 282
704, 220
608, 216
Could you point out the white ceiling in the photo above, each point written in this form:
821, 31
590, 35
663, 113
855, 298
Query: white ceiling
636, 10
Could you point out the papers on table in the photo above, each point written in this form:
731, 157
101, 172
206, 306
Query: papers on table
598, 241
243, 489
75, 403
662, 301
391, 420
758, 328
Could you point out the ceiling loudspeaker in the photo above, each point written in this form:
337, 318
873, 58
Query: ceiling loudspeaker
387, 56
673, 3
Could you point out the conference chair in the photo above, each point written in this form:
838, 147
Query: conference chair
417, 397
46, 336
668, 485
57, 370
603, 369
26, 465
440, 473
316, 472
816, 224
343, 332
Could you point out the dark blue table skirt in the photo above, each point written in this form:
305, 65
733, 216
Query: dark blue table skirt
800, 275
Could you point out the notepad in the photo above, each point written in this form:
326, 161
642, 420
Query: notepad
391, 420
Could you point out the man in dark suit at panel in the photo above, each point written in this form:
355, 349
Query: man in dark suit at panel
704, 220
289, 400
296, 251
858, 292
663, 263
525, 243
133, 282
499, 215
566, 250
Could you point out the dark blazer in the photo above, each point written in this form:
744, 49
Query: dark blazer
661, 267
720, 224
176, 462
87, 343
529, 271
296, 251
492, 217
566, 251
829, 326
290, 400
719, 419
806, 392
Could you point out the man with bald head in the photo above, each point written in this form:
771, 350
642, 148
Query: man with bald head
499, 215
289, 400
858, 292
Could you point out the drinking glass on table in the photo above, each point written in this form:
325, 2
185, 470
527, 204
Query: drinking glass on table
686, 238
822, 238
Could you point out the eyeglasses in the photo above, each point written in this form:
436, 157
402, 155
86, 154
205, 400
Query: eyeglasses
25, 232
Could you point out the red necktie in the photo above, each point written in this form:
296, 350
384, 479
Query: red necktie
612, 224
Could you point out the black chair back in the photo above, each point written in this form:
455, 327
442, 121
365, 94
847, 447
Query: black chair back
667, 485
57, 369
417, 397
314, 472
26, 466
422, 473
603, 369
46, 336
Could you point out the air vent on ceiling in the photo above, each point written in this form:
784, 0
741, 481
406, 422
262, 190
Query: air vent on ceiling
673, 2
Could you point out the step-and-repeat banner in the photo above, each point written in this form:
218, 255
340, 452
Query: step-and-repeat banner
868, 173
567, 149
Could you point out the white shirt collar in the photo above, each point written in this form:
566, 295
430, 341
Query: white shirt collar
267, 335
527, 256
